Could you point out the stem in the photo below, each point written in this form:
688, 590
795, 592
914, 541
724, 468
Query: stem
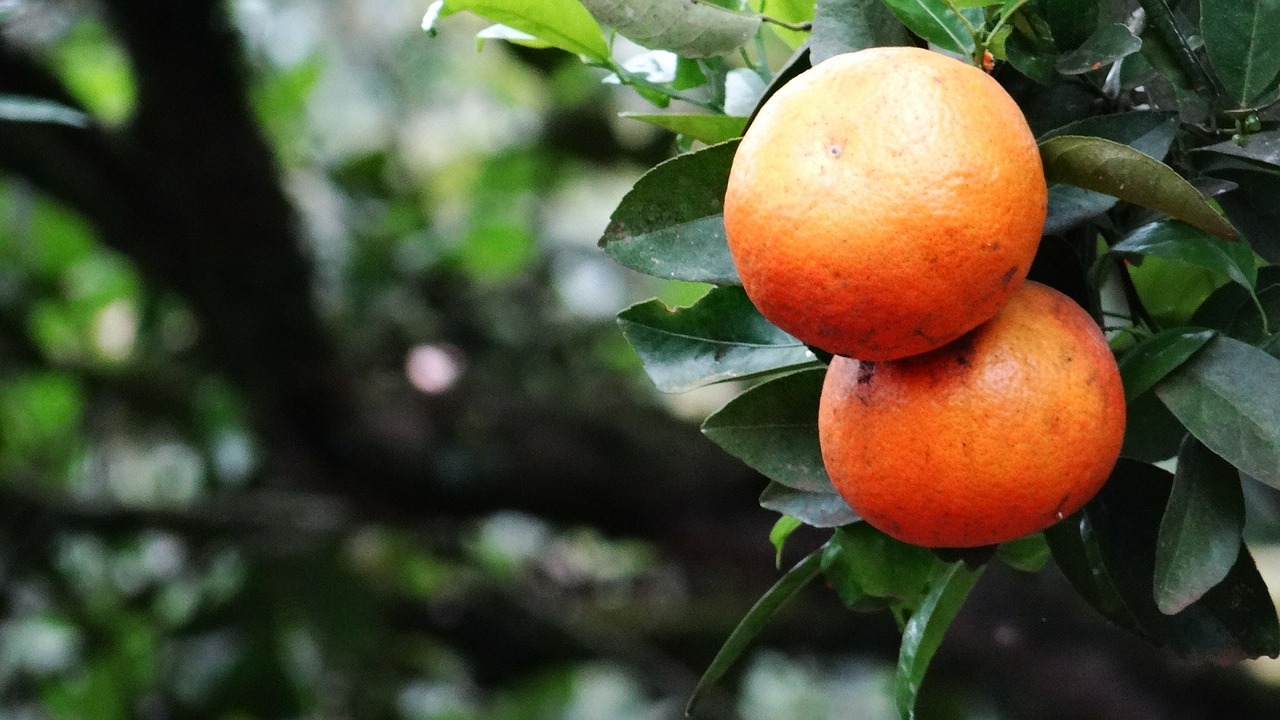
628, 78
798, 27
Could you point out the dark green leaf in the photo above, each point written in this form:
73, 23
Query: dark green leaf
1074, 547
1070, 22
1234, 620
750, 626
710, 129
779, 533
1228, 396
671, 224
1199, 537
690, 29
818, 509
721, 337
1028, 554
923, 634
1178, 241
1030, 60
1120, 171
935, 22
1242, 38
773, 427
1262, 147
1107, 45
1148, 362
21, 108
863, 564
1253, 208
1151, 432
841, 26
1231, 310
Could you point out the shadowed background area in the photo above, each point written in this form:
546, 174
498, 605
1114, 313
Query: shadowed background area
312, 405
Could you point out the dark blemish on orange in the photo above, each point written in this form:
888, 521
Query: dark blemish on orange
926, 336
866, 371
1057, 512
1008, 275
834, 150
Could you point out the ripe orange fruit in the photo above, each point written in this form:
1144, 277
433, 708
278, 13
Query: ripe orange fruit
997, 435
885, 202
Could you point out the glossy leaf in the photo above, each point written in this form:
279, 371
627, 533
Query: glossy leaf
1199, 537
1242, 39
935, 22
1228, 396
1151, 434
1231, 310
1108, 44
1234, 620
1074, 547
565, 24
1028, 554
1148, 132
1178, 241
710, 129
862, 564
1120, 171
1148, 362
1252, 208
1262, 147
773, 427
671, 224
720, 337
23, 108
841, 26
1070, 22
754, 621
924, 631
817, 509
690, 29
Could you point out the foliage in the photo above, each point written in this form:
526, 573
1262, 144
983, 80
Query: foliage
1157, 184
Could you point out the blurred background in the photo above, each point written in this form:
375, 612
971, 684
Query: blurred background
312, 405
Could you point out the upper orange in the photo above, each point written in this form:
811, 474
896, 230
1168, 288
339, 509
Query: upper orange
885, 202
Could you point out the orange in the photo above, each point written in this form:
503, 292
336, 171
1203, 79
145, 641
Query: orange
885, 202
997, 435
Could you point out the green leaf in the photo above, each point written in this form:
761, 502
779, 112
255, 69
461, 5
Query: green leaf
754, 621
1107, 45
1252, 207
1151, 434
689, 29
671, 224
22, 108
818, 509
565, 24
710, 129
841, 26
509, 34
778, 535
1178, 241
1148, 362
935, 22
923, 634
1242, 38
869, 569
773, 427
1120, 171
1148, 132
1228, 396
721, 337
1199, 537
1070, 22
791, 11
1234, 620
1263, 147
1074, 547
1231, 310
1028, 554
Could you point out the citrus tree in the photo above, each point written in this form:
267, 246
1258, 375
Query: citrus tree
1156, 124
